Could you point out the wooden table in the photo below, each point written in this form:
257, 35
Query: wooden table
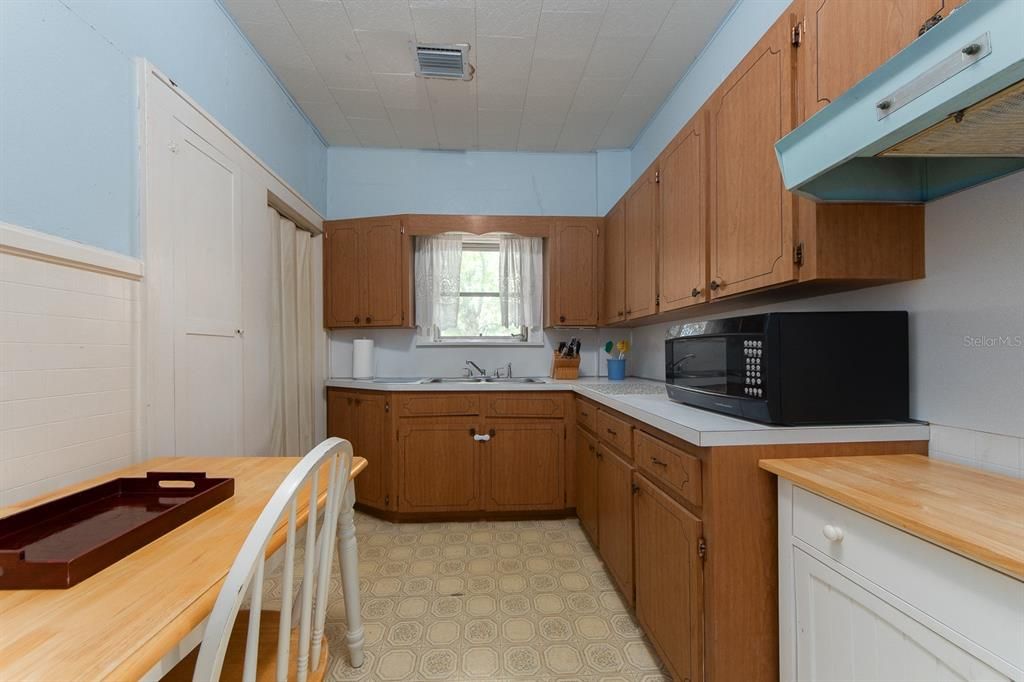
137, 618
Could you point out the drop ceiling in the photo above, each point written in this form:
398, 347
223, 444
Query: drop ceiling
551, 75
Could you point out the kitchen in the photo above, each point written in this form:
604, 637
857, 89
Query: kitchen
520, 512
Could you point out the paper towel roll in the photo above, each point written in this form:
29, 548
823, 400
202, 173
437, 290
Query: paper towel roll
362, 359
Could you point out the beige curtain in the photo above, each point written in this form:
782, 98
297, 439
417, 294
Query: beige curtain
292, 346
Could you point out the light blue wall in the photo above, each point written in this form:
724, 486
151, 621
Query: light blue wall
613, 177
742, 27
366, 182
68, 121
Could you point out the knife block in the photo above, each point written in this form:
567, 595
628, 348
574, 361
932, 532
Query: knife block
565, 368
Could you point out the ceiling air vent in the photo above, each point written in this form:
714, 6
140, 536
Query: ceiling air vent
443, 61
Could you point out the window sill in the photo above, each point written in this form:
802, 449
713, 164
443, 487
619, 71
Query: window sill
468, 343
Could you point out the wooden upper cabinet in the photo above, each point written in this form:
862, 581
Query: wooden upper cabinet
683, 253
670, 580
845, 40
752, 221
613, 300
641, 246
572, 267
367, 273
344, 283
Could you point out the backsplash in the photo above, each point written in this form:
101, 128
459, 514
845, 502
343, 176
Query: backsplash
397, 355
68, 350
989, 451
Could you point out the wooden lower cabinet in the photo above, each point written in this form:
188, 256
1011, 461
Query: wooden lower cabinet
364, 419
615, 517
522, 465
586, 482
669, 579
439, 465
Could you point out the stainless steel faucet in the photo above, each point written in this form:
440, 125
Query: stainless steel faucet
475, 366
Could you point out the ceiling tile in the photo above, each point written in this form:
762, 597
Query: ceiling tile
342, 138
451, 96
360, 103
539, 132
566, 35
617, 137
507, 17
652, 77
278, 44
557, 105
615, 58
304, 84
575, 5
379, 15
436, 21
687, 28
498, 129
414, 128
622, 20
502, 57
387, 51
456, 130
329, 120
598, 94
507, 95
552, 78
400, 91
254, 11
374, 132
581, 131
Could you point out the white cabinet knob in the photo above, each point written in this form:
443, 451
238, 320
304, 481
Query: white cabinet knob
832, 533
481, 437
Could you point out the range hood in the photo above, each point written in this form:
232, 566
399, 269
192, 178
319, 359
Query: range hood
944, 114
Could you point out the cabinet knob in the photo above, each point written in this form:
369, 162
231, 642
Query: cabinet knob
628, 311
356, 319
833, 533
695, 293
619, 314
636, 489
369, 319
561, 318
715, 284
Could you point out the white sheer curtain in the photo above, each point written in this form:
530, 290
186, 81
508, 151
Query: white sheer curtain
291, 353
519, 280
438, 281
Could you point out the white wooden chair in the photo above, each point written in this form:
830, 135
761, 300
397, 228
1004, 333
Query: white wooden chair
261, 645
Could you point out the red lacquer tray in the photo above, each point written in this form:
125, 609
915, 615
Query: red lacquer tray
62, 542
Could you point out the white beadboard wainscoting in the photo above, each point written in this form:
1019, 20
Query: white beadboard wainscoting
69, 326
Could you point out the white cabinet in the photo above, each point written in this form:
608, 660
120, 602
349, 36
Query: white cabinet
861, 600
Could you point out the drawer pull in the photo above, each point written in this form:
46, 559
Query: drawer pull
832, 533
655, 460
585, 414
611, 432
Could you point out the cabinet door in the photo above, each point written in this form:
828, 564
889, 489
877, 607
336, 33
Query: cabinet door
669, 580
848, 39
613, 305
683, 204
641, 236
615, 518
844, 632
751, 226
573, 279
385, 263
523, 466
343, 276
438, 465
372, 430
586, 483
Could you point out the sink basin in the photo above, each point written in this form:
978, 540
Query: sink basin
482, 380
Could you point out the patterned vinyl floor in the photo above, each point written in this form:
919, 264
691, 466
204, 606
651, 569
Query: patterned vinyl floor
515, 600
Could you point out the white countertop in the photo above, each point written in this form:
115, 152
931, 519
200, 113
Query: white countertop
700, 427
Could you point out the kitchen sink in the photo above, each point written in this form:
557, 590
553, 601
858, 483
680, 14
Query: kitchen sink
483, 380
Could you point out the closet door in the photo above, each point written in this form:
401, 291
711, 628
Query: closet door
206, 224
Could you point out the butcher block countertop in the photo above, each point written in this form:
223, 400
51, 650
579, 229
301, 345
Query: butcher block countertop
973, 513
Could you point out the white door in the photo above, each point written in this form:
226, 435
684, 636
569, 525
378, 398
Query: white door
206, 228
845, 633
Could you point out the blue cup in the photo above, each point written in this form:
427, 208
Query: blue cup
616, 369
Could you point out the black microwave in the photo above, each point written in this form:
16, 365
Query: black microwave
794, 368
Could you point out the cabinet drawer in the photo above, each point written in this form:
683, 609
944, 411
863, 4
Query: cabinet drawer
615, 432
524, 405
438, 405
661, 461
586, 416
971, 600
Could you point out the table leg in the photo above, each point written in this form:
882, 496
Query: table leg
348, 557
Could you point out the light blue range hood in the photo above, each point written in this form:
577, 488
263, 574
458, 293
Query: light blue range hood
926, 123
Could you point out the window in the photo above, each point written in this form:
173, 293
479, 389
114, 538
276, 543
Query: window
478, 290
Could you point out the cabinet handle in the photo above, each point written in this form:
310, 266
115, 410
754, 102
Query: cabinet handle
614, 433
655, 460
387, 407
695, 293
635, 488
715, 284
833, 533
600, 455
585, 414
481, 437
